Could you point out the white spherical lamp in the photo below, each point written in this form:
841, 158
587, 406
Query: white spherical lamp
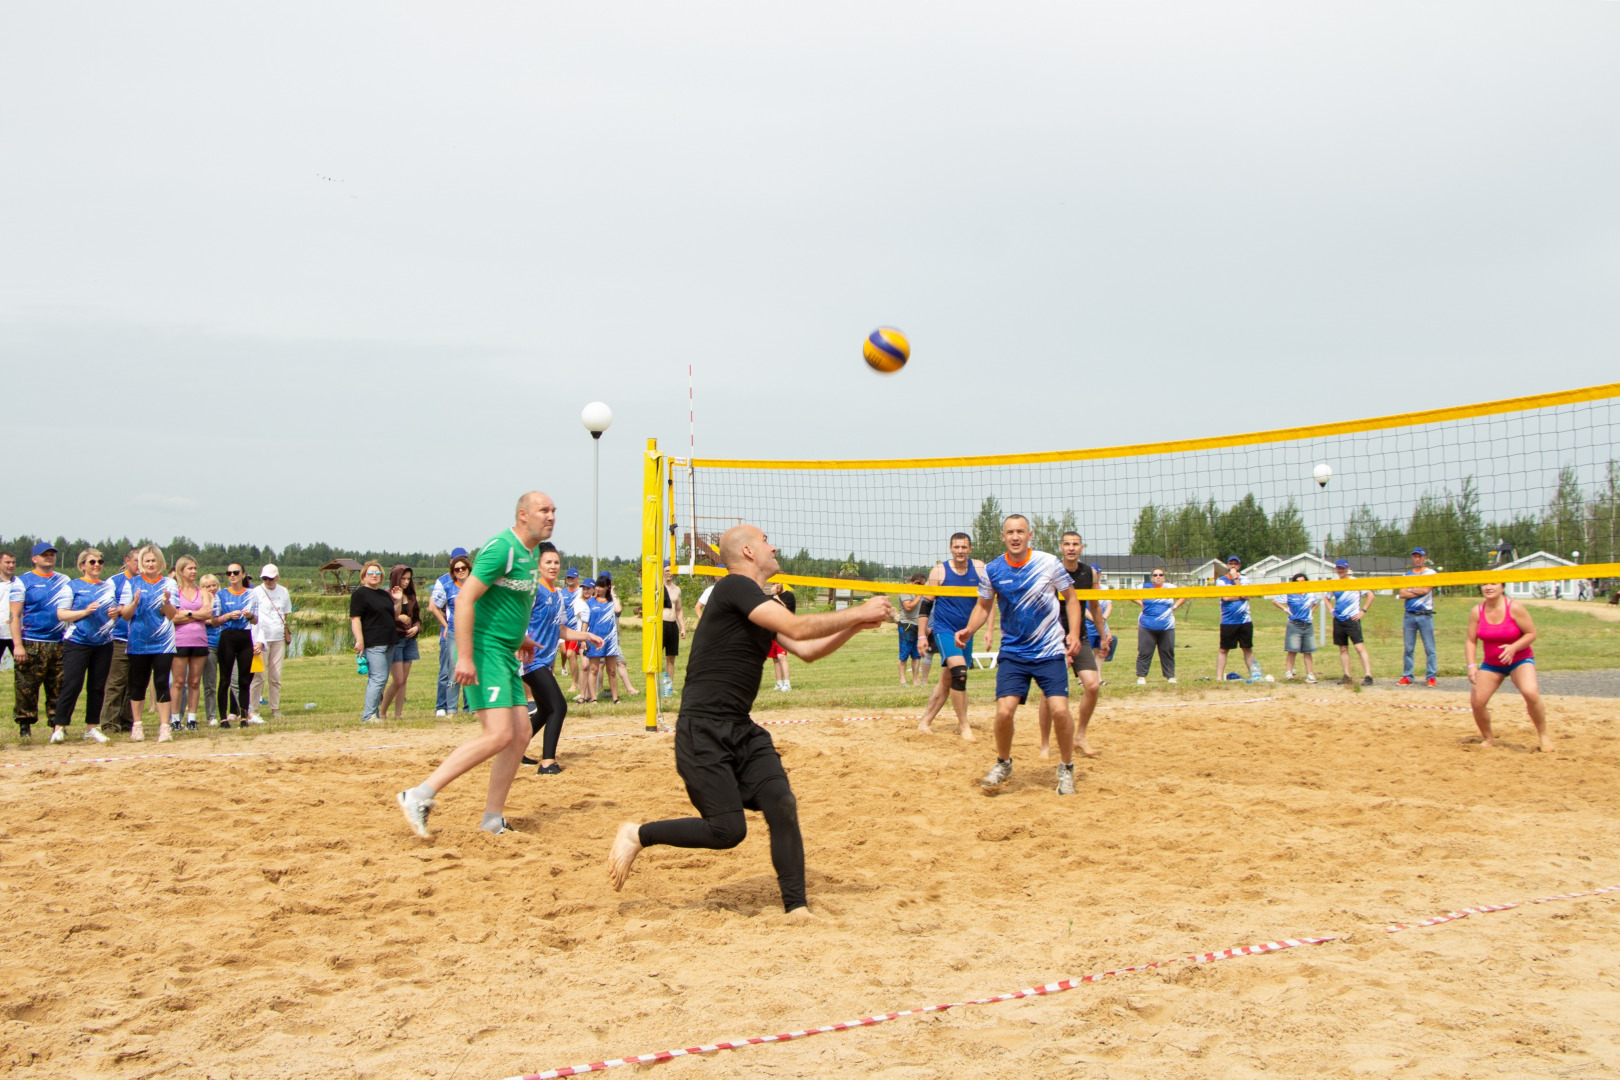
597, 418
1323, 473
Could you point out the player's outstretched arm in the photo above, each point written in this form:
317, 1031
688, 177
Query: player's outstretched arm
779, 620
981, 612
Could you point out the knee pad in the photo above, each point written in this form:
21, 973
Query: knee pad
959, 677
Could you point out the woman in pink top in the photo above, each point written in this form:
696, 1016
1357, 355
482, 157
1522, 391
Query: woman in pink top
194, 608
1504, 630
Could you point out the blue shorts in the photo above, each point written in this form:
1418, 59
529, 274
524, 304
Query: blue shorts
404, 651
1498, 669
908, 643
945, 646
1012, 677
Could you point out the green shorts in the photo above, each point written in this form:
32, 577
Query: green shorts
499, 685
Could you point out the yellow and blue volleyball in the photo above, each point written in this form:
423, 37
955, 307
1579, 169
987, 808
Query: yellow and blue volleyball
886, 350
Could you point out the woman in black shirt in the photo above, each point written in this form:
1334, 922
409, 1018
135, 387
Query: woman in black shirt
371, 616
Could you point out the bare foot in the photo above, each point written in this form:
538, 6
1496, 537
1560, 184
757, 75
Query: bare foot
1046, 750
1546, 745
966, 731
926, 728
626, 846
1487, 743
1084, 747
800, 915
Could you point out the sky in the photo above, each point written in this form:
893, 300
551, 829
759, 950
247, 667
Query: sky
349, 272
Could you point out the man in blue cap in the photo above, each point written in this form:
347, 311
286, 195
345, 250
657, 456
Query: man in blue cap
36, 629
442, 602
1419, 620
577, 615
1237, 627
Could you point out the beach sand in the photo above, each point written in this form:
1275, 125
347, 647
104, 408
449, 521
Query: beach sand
272, 916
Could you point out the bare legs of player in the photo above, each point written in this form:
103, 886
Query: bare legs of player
1090, 687
1062, 724
1524, 677
504, 737
936, 701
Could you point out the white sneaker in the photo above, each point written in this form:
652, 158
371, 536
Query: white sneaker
1171, 681
1310, 678
254, 719
1288, 676
787, 686
416, 812
213, 721
1141, 682
93, 734
998, 774
58, 734
440, 712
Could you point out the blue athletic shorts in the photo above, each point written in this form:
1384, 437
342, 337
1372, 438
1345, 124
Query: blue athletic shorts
1012, 677
1501, 670
908, 643
945, 646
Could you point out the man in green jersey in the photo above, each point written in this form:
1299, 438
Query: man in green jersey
492, 622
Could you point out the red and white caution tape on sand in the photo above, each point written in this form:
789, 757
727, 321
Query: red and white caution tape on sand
1387, 704
868, 1021
1484, 909
161, 757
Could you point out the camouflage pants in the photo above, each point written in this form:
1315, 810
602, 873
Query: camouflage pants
43, 668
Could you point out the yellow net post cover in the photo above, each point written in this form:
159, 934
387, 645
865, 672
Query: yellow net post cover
652, 576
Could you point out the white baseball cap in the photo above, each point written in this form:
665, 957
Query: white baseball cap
270, 571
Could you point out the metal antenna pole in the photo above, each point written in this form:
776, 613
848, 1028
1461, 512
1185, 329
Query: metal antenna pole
596, 491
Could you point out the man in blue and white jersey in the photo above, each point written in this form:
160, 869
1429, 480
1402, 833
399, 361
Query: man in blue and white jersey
1419, 621
1349, 605
37, 633
1300, 636
1237, 628
578, 615
442, 602
1027, 584
936, 633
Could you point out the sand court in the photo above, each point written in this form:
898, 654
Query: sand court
272, 916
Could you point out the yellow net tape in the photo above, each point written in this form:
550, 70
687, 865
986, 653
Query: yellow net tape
1180, 446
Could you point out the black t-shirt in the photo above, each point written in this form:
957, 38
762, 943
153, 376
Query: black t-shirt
376, 610
728, 653
1081, 576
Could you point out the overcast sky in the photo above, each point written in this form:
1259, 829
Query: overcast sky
348, 272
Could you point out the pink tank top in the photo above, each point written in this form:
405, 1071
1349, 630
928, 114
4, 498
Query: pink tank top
1495, 635
191, 633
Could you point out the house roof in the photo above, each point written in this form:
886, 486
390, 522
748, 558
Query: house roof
1542, 556
342, 564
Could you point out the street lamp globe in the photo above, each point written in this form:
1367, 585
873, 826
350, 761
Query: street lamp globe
1323, 473
597, 418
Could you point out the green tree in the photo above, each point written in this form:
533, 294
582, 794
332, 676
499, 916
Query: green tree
1435, 527
1190, 532
1147, 537
1242, 530
1288, 535
1603, 519
987, 529
1366, 534
1563, 525
1046, 532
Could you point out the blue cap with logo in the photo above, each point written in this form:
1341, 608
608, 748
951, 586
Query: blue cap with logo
43, 546
458, 553
572, 573
1230, 559
1344, 563
1419, 551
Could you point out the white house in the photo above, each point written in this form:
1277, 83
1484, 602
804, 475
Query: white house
1524, 590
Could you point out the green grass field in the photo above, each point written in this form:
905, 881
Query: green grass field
863, 675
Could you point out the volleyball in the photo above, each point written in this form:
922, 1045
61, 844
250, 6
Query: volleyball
886, 350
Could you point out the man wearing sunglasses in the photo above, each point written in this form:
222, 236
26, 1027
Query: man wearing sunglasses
36, 598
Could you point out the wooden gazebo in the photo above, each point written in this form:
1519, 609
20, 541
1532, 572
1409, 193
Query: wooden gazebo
340, 577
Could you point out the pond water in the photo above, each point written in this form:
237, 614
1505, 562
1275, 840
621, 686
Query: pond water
322, 639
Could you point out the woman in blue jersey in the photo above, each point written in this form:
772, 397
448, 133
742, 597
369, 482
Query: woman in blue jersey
1156, 629
604, 623
149, 608
235, 611
548, 628
87, 653
1300, 637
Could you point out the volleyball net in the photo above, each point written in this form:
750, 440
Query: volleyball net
1518, 490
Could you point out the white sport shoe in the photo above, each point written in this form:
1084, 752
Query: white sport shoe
1170, 680
416, 812
1310, 678
58, 734
93, 734
1288, 676
213, 721
998, 774
1065, 779
254, 719
440, 712
1141, 681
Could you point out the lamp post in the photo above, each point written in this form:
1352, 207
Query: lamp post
597, 418
1322, 474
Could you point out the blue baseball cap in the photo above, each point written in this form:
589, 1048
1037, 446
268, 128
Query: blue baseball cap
1233, 559
571, 573
43, 546
458, 553
1344, 563
1419, 551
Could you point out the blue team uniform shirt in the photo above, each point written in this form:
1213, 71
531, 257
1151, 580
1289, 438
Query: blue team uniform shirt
546, 623
150, 631
226, 602
1028, 597
1158, 614
1300, 606
444, 594
41, 595
213, 631
1346, 605
951, 613
1421, 605
1234, 612
604, 623
94, 629
120, 582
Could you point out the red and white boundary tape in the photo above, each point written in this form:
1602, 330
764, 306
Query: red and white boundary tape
868, 1021
193, 757
1037, 991
1484, 909
1386, 704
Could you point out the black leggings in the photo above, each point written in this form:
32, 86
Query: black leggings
775, 800
551, 709
80, 662
235, 648
155, 667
